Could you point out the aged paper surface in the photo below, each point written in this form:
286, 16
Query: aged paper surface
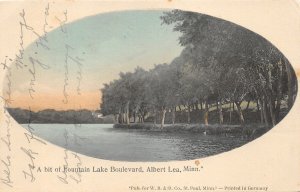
269, 163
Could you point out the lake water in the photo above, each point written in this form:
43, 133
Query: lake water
105, 142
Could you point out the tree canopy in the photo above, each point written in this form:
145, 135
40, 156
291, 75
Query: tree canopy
221, 63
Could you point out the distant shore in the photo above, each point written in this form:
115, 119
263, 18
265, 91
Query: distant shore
248, 130
52, 116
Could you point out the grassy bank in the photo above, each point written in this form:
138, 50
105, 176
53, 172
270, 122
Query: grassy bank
248, 130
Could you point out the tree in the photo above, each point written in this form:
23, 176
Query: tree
221, 63
244, 62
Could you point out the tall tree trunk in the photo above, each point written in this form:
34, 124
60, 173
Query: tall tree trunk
288, 71
240, 113
260, 110
279, 91
119, 117
248, 105
173, 115
123, 118
143, 114
143, 119
205, 117
230, 113
197, 105
155, 117
163, 115
219, 106
188, 113
269, 97
134, 117
264, 108
127, 113
201, 107
272, 114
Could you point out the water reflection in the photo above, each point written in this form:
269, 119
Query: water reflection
104, 142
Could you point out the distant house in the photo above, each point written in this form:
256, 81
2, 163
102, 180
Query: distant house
97, 114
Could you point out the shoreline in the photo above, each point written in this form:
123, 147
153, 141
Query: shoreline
213, 129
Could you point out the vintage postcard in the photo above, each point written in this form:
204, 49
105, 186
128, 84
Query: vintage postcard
164, 95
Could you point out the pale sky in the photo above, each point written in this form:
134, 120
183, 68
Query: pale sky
109, 43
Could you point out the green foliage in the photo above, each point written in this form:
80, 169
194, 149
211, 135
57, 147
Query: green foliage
220, 63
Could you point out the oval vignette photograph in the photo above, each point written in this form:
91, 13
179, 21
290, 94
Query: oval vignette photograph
150, 86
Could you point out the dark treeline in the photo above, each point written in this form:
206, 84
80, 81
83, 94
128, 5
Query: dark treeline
24, 116
221, 66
